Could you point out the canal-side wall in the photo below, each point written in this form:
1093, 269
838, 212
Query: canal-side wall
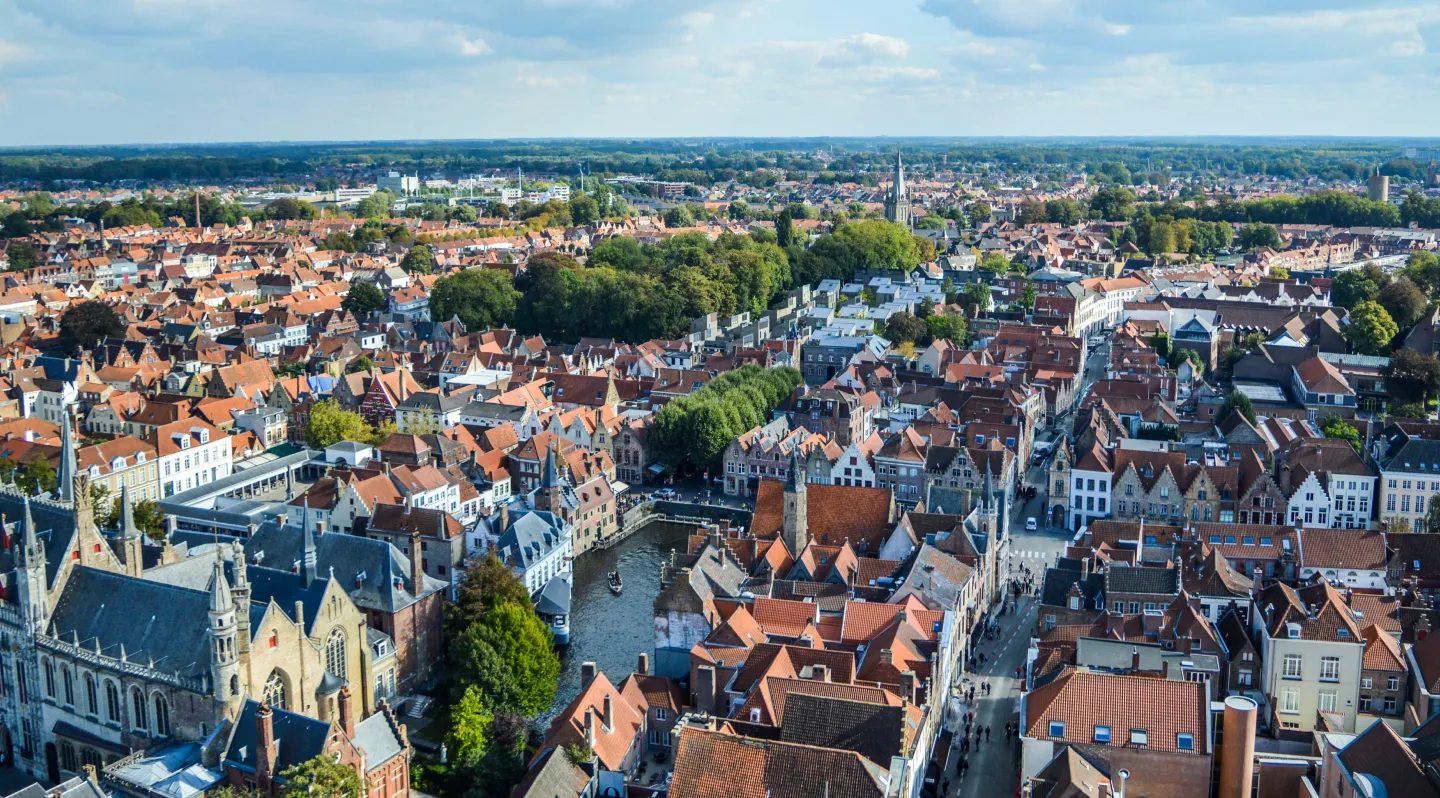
682, 512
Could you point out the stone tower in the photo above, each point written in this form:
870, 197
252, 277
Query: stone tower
34, 604
131, 542
550, 497
65, 477
897, 200
795, 528
224, 653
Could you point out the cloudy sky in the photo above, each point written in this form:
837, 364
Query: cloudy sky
128, 71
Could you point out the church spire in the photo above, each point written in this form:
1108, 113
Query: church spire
65, 478
32, 537
308, 556
127, 514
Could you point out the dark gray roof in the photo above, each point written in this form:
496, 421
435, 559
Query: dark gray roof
55, 527
1141, 579
151, 620
297, 739
554, 597
552, 775
874, 731
531, 537
378, 739
386, 586
1056, 587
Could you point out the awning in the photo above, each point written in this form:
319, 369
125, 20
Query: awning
656, 468
617, 487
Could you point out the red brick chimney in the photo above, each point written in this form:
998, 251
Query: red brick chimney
265, 750
347, 713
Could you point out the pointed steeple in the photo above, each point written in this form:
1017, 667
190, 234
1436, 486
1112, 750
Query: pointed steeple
989, 496
795, 481
220, 600
308, 555
127, 515
551, 477
899, 175
32, 537
65, 478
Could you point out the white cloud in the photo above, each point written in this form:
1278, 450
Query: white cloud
474, 47
864, 48
10, 52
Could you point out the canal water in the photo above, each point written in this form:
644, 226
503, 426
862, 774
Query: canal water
612, 630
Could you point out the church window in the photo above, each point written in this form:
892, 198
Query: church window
275, 690
112, 702
92, 701
335, 653
49, 678
67, 756
162, 716
141, 717
69, 685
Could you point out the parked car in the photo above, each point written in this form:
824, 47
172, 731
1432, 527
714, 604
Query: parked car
1031, 525
665, 494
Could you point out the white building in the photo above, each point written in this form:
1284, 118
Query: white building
192, 453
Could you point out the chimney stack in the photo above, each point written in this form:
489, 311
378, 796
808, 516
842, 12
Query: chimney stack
908, 687
587, 674
1134, 659
347, 714
1238, 755
642, 666
265, 750
417, 563
609, 713
590, 736
705, 688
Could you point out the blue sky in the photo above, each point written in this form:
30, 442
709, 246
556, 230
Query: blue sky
126, 71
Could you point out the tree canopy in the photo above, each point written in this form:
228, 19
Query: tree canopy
1236, 402
321, 775
329, 424
1371, 329
698, 427
363, 299
481, 298
86, 323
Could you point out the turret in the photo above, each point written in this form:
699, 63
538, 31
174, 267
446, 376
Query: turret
795, 526
131, 542
308, 556
224, 656
549, 498
241, 593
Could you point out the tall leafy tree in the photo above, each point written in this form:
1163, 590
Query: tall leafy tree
1404, 301
321, 775
363, 299
86, 323
481, 298
419, 259
329, 424
1371, 328
1236, 402
1352, 287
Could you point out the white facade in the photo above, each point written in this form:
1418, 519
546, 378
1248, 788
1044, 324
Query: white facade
1404, 494
853, 469
198, 459
1089, 496
1312, 505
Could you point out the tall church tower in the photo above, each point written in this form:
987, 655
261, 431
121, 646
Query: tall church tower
795, 528
897, 199
34, 606
65, 477
224, 656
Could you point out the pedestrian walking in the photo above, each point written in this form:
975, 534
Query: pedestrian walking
987, 734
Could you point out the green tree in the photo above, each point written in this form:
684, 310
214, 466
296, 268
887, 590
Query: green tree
1423, 269
1404, 301
86, 323
994, 262
287, 209
977, 294
1352, 287
21, 256
1415, 411
1028, 295
375, 206
362, 363
584, 209
36, 477
946, 327
462, 213
321, 775
1371, 329
1432, 518
1333, 426
419, 259
679, 216
339, 240
363, 299
905, 327
150, 519
329, 425
1412, 376
1236, 402
481, 298
469, 727
525, 667
784, 229
487, 584
1258, 234
979, 213
8, 467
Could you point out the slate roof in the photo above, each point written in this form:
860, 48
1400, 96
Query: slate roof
874, 731
1083, 700
1378, 751
297, 738
1140, 579
387, 586
378, 737
151, 620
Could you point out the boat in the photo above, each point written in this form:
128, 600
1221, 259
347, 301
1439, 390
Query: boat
613, 579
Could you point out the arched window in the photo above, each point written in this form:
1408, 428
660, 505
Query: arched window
92, 700
234, 686
112, 702
275, 690
335, 653
67, 757
141, 717
162, 716
49, 678
69, 685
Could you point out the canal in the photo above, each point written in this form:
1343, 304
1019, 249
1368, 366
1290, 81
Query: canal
612, 630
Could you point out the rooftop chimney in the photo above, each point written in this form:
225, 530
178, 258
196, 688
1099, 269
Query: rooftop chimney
347, 714
908, 687
265, 750
587, 674
642, 666
608, 715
